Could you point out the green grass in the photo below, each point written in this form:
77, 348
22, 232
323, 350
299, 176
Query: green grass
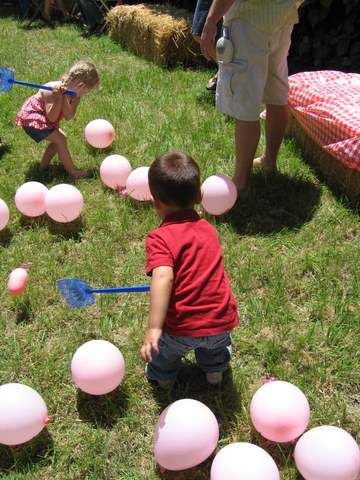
291, 251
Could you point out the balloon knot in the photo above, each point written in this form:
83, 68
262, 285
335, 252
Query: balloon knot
122, 191
25, 265
269, 378
47, 420
162, 469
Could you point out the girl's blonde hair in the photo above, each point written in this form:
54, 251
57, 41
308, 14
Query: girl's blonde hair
84, 72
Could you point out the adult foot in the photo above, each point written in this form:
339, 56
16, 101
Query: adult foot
262, 162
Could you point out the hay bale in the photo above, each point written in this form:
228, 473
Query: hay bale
336, 174
157, 32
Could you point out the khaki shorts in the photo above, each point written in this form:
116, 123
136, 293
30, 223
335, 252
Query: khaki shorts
257, 74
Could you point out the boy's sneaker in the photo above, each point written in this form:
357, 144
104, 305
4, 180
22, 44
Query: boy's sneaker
214, 378
166, 384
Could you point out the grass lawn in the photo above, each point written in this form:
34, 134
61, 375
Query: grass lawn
291, 250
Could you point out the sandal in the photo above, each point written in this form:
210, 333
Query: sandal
211, 85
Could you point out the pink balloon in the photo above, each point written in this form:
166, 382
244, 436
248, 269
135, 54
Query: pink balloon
243, 461
64, 203
17, 281
30, 199
99, 133
186, 434
327, 453
137, 184
114, 171
219, 194
97, 367
4, 214
280, 411
23, 413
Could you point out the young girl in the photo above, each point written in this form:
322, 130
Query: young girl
41, 113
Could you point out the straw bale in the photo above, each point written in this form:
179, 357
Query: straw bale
157, 32
336, 173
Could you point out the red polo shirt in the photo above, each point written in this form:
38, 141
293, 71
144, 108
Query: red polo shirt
201, 303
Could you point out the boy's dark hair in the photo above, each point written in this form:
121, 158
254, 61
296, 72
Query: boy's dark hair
174, 179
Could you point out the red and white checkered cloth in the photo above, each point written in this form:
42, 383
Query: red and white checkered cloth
327, 106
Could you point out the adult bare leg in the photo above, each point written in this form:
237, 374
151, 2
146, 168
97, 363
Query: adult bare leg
275, 126
247, 136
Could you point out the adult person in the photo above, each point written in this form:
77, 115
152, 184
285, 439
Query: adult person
92, 14
260, 31
48, 4
200, 14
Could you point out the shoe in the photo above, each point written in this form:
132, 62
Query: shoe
214, 378
166, 384
211, 85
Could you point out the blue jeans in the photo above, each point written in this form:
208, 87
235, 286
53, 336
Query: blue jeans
200, 14
212, 354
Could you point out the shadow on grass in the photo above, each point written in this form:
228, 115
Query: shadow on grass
200, 472
330, 179
5, 237
70, 230
53, 172
275, 202
24, 312
282, 453
102, 410
27, 223
94, 152
4, 149
223, 400
27, 457
205, 98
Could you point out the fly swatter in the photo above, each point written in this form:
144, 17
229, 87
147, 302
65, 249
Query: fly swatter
7, 81
78, 293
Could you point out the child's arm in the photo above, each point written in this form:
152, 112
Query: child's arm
160, 293
70, 105
54, 102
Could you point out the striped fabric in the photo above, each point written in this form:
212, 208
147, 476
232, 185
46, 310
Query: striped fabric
327, 106
33, 115
269, 16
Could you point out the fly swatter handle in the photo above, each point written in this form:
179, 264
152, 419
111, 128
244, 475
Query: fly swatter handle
133, 289
71, 93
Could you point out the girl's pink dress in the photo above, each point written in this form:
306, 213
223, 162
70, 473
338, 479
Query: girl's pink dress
33, 115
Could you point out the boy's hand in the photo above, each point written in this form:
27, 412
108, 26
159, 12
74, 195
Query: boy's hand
151, 343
